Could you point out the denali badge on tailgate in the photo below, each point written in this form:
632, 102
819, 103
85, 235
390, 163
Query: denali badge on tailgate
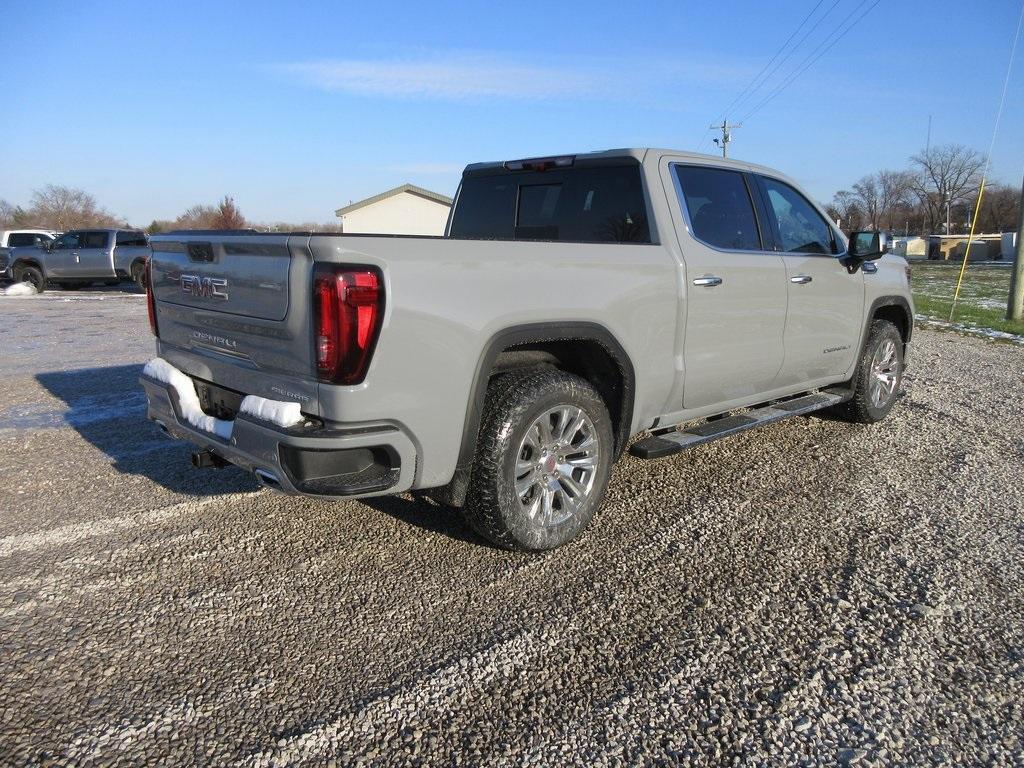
204, 287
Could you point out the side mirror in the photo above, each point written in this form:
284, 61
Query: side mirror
867, 246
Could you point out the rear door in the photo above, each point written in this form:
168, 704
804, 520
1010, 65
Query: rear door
735, 287
94, 255
826, 302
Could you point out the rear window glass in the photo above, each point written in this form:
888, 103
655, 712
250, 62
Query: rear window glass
131, 238
94, 240
20, 239
580, 205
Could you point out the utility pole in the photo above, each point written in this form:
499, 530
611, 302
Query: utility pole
1015, 305
946, 195
726, 130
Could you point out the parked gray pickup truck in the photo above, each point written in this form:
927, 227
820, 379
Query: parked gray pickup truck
80, 257
575, 303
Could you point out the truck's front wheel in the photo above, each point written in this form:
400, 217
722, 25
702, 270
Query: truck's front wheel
543, 459
32, 275
879, 375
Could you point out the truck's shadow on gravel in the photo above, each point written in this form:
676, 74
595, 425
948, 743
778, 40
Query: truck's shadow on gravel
428, 515
107, 407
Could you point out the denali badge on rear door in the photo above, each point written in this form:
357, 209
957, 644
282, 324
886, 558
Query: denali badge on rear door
204, 287
214, 339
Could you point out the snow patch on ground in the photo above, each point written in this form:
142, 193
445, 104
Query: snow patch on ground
20, 289
988, 333
188, 400
276, 412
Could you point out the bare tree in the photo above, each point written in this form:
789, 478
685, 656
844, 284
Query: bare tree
950, 171
1000, 206
882, 195
8, 215
228, 216
224, 215
895, 195
63, 208
869, 198
846, 208
196, 217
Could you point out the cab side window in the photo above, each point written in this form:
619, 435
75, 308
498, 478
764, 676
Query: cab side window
68, 240
800, 228
719, 206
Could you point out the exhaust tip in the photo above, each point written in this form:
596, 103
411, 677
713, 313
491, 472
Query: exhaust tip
268, 479
207, 459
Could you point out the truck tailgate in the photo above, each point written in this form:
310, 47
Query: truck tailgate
243, 275
229, 304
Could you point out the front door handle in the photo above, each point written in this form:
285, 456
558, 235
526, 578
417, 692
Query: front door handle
800, 279
708, 282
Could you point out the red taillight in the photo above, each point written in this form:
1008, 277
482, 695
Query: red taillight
150, 299
348, 309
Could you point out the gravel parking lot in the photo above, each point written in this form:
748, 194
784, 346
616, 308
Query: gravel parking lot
813, 593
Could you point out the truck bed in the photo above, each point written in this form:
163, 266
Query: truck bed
231, 305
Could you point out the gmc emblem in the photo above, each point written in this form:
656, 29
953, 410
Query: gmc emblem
204, 287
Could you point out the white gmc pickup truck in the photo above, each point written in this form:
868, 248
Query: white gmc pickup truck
574, 303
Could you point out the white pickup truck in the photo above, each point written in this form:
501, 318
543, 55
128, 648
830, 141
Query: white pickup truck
575, 303
18, 238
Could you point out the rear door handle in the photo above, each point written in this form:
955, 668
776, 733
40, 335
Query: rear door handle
800, 279
708, 282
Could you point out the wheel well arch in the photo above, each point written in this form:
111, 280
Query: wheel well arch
895, 309
587, 350
28, 262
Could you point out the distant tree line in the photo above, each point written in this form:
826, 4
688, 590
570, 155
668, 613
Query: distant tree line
913, 200
63, 208
58, 208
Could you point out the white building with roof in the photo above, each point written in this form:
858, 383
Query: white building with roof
404, 210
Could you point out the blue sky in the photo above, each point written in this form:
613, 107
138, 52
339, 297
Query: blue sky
297, 108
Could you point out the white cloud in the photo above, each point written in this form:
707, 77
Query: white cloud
471, 77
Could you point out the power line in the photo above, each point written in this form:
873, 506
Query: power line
981, 190
816, 54
753, 86
744, 95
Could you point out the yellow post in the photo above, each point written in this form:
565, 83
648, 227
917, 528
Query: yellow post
967, 251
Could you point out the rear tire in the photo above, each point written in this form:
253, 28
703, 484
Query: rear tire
543, 460
31, 275
139, 275
878, 377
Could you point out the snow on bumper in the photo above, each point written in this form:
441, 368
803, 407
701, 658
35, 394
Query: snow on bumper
269, 438
281, 414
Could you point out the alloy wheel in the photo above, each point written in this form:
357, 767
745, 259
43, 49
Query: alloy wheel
556, 465
885, 374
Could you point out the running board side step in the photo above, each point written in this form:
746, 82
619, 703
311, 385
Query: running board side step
667, 443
